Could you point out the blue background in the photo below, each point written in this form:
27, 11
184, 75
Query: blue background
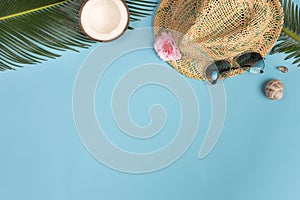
42, 157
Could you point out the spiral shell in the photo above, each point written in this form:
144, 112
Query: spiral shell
274, 89
283, 69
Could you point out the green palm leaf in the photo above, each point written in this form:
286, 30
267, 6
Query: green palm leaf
32, 31
289, 41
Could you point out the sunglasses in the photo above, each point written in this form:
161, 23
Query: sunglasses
252, 62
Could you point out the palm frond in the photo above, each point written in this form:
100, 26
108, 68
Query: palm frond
33, 31
140, 8
289, 41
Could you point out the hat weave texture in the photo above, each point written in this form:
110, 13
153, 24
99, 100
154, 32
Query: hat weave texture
210, 30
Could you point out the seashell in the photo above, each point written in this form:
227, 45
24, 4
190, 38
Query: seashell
274, 89
283, 69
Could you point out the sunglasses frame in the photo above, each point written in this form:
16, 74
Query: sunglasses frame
231, 66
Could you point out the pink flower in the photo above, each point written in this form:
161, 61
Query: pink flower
165, 47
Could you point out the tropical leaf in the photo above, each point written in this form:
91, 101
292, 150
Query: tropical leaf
32, 31
140, 8
289, 41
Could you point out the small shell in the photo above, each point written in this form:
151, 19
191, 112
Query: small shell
283, 69
274, 89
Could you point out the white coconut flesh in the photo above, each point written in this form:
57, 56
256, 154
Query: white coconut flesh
104, 20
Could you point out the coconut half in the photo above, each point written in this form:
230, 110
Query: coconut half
104, 20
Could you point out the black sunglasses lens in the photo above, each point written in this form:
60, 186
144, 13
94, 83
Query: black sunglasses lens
212, 72
222, 65
258, 68
253, 60
249, 59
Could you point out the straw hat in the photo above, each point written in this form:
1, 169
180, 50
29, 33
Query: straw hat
209, 30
